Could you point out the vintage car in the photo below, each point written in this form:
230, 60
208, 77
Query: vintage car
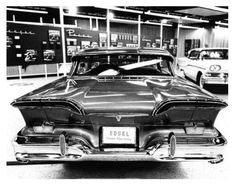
120, 104
206, 66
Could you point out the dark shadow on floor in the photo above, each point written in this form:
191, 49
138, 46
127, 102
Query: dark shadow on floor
217, 89
120, 170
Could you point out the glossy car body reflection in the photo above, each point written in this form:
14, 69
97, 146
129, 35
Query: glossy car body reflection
206, 66
120, 104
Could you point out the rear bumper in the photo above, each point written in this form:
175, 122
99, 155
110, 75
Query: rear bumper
165, 150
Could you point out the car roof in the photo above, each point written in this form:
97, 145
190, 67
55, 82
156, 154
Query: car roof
201, 49
113, 51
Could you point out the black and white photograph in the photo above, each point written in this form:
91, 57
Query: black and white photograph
71, 50
54, 35
145, 95
30, 55
49, 55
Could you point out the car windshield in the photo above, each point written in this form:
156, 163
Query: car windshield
214, 54
122, 64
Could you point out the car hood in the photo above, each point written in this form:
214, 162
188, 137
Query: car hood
223, 63
101, 95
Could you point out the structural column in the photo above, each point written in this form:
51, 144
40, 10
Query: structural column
63, 37
161, 34
139, 30
177, 37
108, 28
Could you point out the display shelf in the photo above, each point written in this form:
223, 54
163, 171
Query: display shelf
13, 71
34, 70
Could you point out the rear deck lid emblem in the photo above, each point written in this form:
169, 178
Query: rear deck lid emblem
118, 118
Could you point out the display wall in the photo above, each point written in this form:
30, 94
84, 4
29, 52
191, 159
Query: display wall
36, 47
32, 45
150, 36
210, 37
77, 39
169, 40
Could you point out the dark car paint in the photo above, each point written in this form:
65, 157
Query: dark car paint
98, 95
98, 101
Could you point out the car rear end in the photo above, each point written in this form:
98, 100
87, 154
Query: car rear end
175, 131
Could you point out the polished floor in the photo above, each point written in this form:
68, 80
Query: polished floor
108, 170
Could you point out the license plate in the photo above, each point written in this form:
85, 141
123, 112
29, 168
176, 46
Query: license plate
119, 135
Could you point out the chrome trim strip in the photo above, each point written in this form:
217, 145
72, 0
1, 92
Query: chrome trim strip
196, 66
165, 150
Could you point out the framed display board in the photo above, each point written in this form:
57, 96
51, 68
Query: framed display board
33, 44
77, 39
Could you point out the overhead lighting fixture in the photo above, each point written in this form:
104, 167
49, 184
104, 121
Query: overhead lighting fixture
221, 23
120, 9
26, 10
175, 17
164, 21
154, 23
125, 21
84, 16
194, 20
190, 27
162, 15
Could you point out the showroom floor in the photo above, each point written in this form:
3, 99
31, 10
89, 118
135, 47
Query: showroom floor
139, 170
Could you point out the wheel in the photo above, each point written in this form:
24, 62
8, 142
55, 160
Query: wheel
200, 81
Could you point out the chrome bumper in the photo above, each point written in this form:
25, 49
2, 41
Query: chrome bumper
166, 150
215, 80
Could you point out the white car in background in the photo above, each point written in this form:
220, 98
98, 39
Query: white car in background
205, 65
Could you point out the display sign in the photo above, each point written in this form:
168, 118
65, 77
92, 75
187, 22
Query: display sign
9, 41
33, 44
72, 33
77, 39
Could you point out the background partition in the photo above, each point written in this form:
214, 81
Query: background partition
41, 40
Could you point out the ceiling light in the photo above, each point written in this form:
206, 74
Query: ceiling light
175, 17
162, 15
189, 27
26, 10
120, 9
221, 23
164, 21
194, 20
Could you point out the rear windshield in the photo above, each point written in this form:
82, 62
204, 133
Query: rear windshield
123, 64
